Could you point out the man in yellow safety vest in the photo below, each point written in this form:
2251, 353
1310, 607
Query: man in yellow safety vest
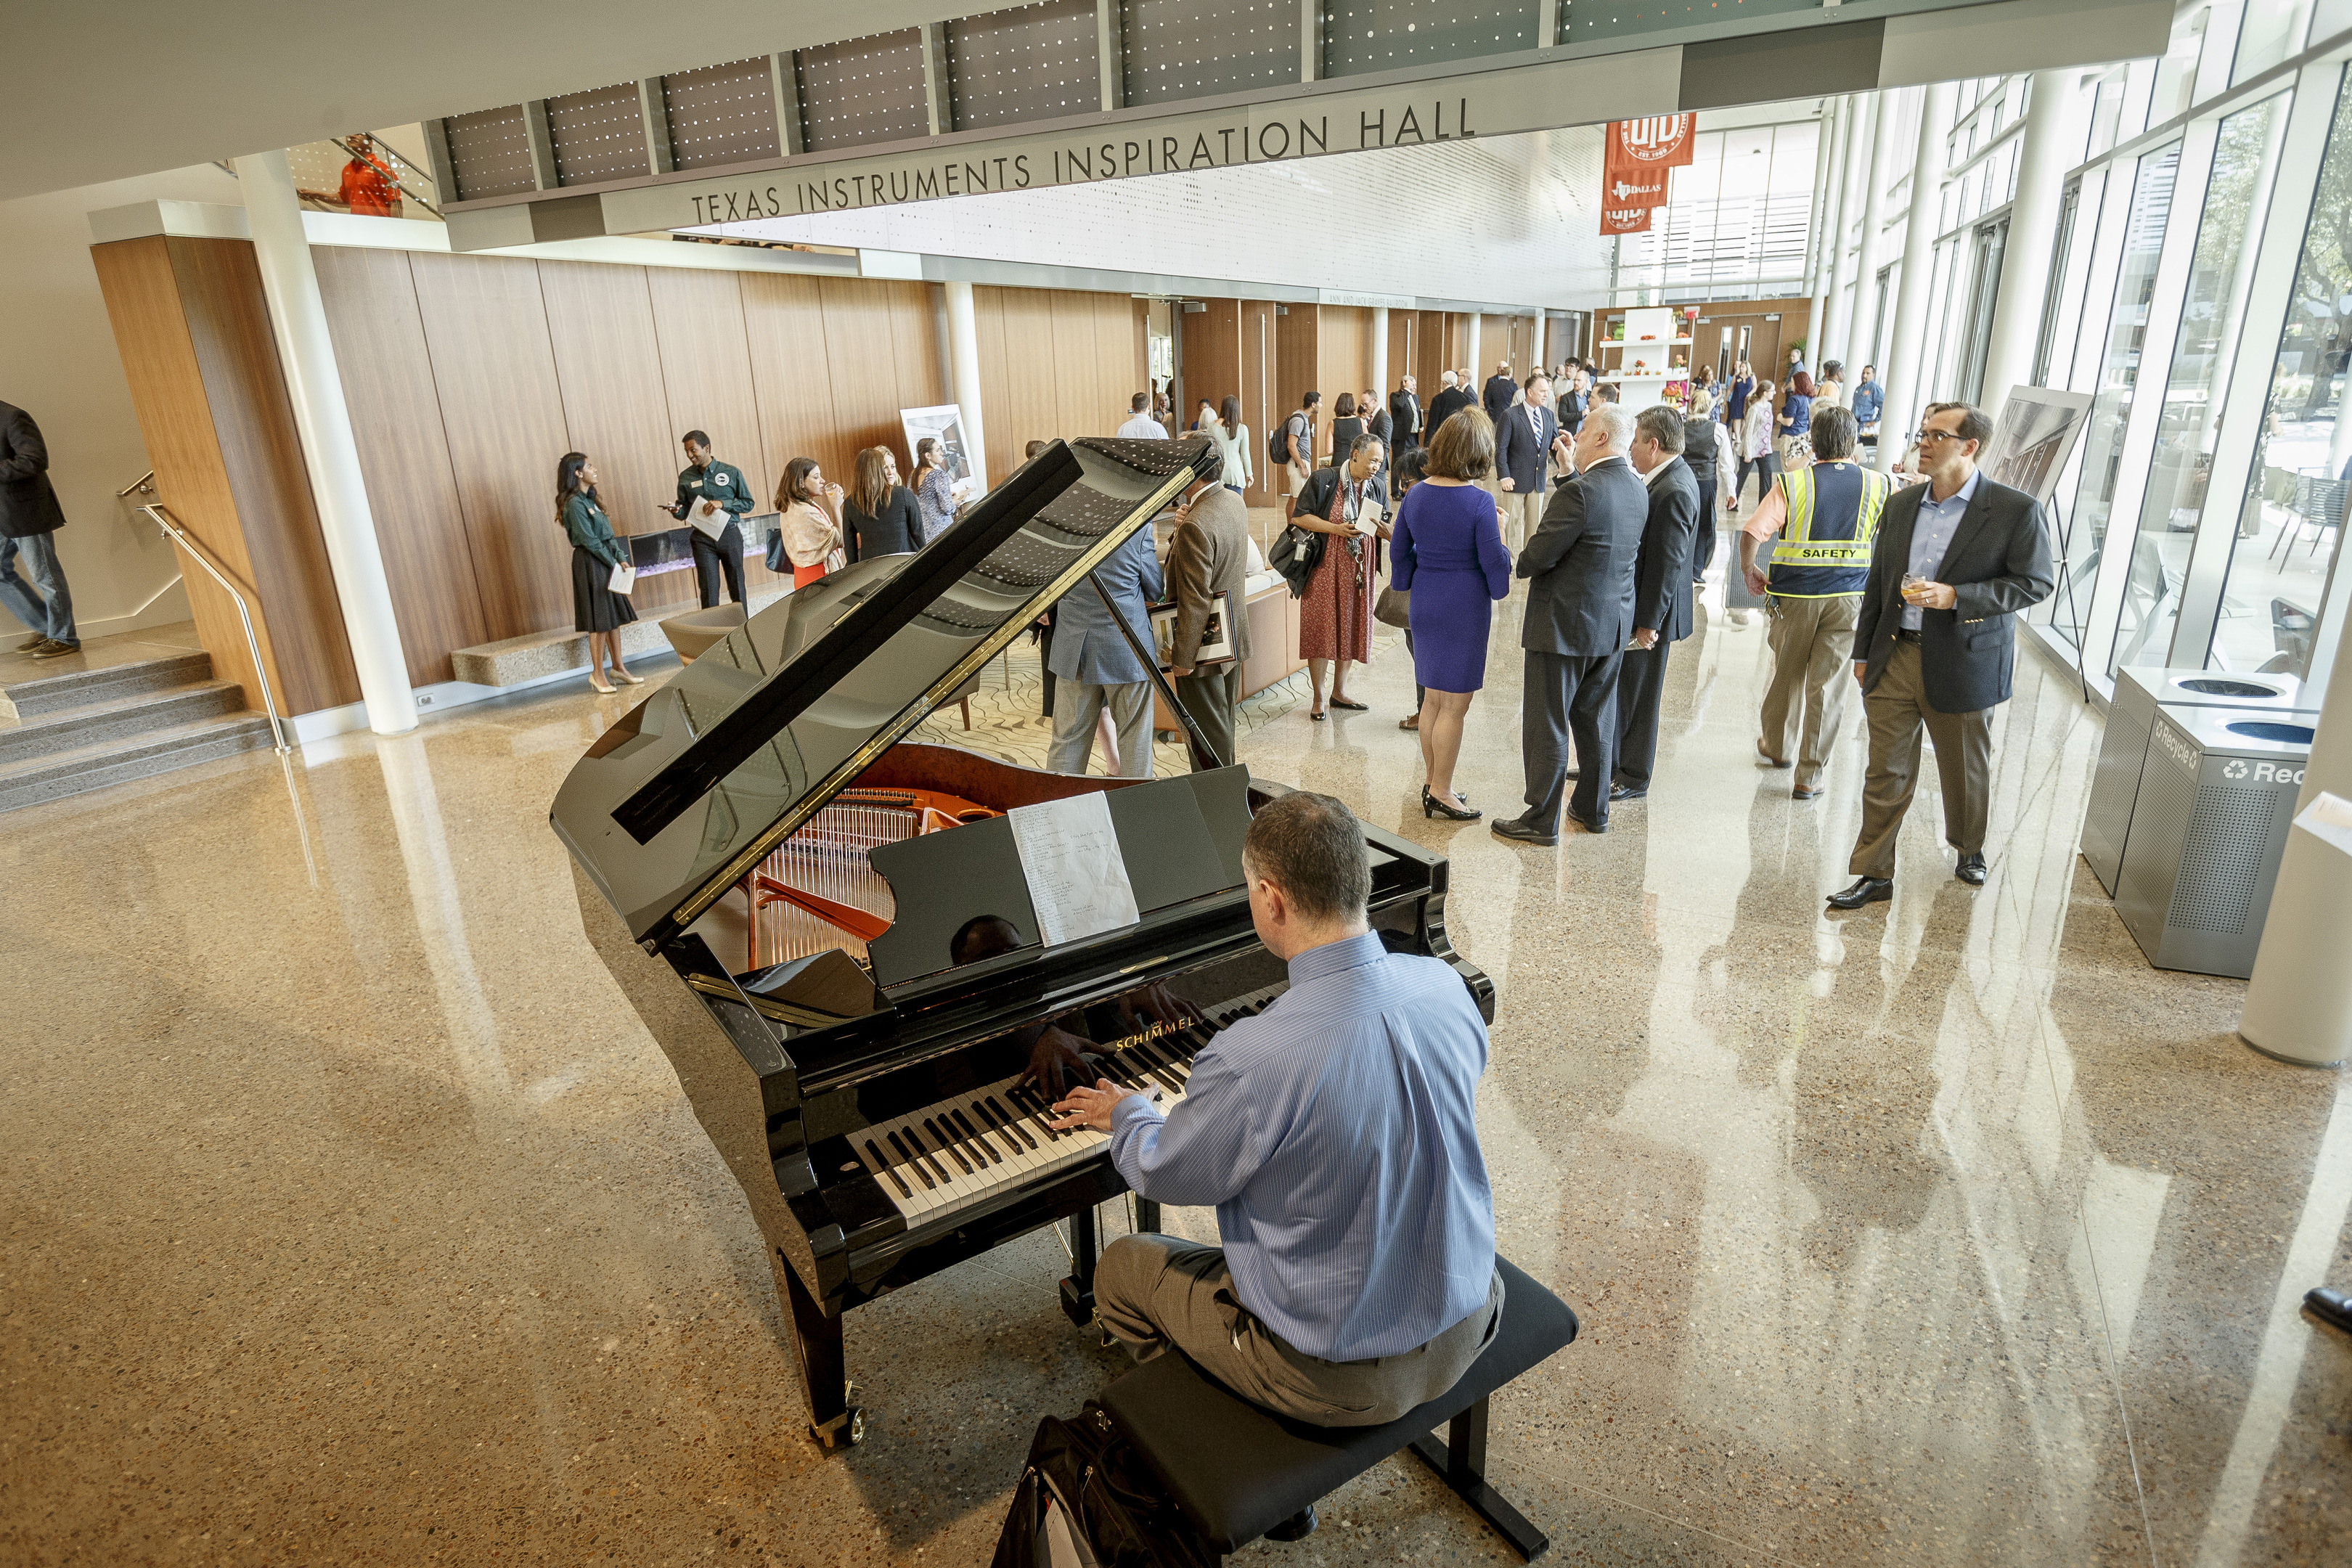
1827, 520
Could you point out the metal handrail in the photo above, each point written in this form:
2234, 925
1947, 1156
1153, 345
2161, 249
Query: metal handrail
144, 484
162, 519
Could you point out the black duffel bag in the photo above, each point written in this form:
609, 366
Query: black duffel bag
1086, 1491
1297, 553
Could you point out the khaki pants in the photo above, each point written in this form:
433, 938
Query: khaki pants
1209, 696
1812, 664
1522, 514
1896, 710
1075, 704
1156, 1291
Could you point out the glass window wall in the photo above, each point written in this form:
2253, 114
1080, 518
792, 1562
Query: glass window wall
2221, 275
2084, 537
2290, 524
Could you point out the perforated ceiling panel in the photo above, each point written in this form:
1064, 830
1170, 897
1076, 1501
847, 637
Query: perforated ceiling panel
1382, 35
489, 152
866, 89
1033, 62
1521, 226
1191, 48
721, 114
599, 134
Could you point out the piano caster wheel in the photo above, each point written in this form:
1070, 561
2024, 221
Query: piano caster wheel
844, 1431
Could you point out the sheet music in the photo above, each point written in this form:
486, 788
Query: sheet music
1069, 855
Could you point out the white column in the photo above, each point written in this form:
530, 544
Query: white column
1478, 376
1869, 252
2299, 1004
1906, 343
1817, 218
2052, 141
1834, 315
1378, 379
323, 421
1831, 163
963, 364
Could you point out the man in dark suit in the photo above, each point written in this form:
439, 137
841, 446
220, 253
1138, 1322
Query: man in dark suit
1405, 419
1580, 571
29, 520
1572, 399
1661, 594
1524, 441
1939, 654
1501, 388
1450, 399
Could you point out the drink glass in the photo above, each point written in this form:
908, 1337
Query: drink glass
1912, 583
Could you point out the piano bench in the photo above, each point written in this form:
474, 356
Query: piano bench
1237, 1470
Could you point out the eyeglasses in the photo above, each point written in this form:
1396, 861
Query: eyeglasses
1924, 437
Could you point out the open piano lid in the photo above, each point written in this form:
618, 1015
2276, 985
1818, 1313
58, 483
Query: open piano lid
682, 797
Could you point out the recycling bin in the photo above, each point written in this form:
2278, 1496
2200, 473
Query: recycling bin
2209, 821
2139, 688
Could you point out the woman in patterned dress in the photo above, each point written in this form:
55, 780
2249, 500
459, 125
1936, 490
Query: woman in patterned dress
1335, 614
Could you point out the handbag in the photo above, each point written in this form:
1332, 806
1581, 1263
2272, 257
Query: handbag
1294, 556
1087, 1497
1393, 607
777, 561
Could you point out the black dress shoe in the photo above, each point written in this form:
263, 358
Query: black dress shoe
1627, 792
1865, 890
1971, 870
1586, 823
1297, 1526
1520, 830
1433, 806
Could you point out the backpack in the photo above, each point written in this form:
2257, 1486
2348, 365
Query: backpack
1086, 1500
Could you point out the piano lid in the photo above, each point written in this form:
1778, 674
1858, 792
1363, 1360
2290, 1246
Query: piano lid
682, 797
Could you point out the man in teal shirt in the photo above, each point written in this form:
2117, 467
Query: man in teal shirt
728, 495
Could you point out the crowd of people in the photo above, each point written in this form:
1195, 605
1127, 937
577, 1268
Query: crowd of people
1425, 516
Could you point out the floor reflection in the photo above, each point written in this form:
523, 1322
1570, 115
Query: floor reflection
355, 1210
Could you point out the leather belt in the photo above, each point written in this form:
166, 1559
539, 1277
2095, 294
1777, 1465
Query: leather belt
1905, 634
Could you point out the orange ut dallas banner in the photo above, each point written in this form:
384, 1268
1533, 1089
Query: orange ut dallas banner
1638, 154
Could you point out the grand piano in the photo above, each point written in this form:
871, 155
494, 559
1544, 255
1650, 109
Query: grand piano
861, 1069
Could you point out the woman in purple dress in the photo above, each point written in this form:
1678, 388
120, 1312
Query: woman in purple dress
1448, 551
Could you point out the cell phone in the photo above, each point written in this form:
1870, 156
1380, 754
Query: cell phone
2330, 1306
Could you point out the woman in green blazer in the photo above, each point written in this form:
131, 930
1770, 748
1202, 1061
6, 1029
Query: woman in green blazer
596, 608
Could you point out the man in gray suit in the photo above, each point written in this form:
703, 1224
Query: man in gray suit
1939, 653
1661, 594
1208, 555
1580, 571
1095, 668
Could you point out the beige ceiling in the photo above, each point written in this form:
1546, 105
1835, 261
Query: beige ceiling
103, 89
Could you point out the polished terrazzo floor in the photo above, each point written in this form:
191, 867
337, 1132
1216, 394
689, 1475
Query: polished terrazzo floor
350, 1216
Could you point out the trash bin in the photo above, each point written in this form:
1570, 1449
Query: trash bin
2299, 1008
2124, 751
2216, 800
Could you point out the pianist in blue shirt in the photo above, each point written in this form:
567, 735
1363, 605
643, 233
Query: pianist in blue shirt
1334, 1134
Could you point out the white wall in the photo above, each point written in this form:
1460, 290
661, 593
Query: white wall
1507, 218
58, 362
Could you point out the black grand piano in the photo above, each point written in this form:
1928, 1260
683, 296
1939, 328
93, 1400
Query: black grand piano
826, 927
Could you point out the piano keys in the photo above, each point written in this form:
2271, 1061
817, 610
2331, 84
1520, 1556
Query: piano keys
862, 1073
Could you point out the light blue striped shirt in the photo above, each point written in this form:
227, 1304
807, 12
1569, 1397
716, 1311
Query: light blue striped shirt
1335, 1133
1931, 536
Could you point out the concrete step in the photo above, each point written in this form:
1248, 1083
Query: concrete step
86, 687
118, 718
55, 775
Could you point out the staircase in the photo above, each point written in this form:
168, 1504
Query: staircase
64, 734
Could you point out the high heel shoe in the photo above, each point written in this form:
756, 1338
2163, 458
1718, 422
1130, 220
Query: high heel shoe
1433, 806
625, 679
599, 688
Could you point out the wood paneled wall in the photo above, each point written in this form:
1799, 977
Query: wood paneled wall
1052, 364
469, 375
198, 351
1343, 353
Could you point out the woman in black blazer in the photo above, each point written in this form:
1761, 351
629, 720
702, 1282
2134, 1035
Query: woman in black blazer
1699, 434
880, 515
